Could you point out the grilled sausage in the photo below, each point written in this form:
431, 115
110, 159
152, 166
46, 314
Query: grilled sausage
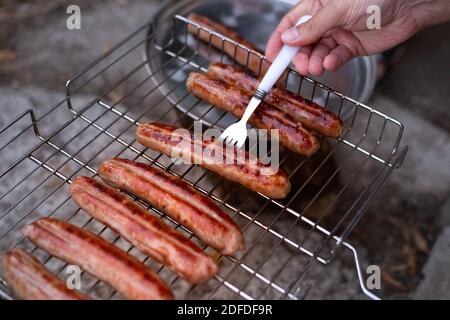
229, 162
148, 233
178, 199
98, 257
309, 113
221, 29
30, 280
235, 100
253, 61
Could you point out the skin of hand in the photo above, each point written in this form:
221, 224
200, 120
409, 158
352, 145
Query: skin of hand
338, 30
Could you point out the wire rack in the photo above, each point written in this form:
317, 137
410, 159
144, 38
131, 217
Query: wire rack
97, 120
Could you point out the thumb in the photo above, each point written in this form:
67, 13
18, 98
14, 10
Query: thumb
311, 31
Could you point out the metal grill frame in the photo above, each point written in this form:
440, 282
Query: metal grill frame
335, 238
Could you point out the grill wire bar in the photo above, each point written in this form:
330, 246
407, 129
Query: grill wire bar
102, 126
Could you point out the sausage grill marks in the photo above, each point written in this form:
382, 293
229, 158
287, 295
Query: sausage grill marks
98, 257
147, 232
176, 198
308, 113
225, 86
221, 94
30, 280
206, 152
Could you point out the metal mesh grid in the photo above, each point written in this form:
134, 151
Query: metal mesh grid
102, 125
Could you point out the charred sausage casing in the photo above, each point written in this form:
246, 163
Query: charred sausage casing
309, 113
242, 56
219, 28
211, 155
98, 257
30, 280
148, 233
235, 100
178, 199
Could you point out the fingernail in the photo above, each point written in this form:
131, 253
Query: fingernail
290, 35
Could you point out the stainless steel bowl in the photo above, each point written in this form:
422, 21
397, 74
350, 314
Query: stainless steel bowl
255, 20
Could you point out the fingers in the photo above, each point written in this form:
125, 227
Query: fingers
320, 51
337, 57
274, 44
301, 60
310, 60
307, 33
317, 53
326, 55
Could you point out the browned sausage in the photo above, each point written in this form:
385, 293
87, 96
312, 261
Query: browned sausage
148, 233
221, 29
98, 257
309, 113
30, 280
231, 163
178, 199
240, 55
235, 100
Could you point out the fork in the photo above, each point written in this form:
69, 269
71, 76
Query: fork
236, 134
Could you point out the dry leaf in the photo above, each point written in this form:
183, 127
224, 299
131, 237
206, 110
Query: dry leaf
411, 258
419, 240
402, 226
106, 47
114, 96
392, 282
7, 55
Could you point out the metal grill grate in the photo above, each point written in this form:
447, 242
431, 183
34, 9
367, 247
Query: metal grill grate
40, 159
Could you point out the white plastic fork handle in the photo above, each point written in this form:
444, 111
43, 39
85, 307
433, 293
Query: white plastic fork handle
281, 62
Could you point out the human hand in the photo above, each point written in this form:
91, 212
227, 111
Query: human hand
339, 30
